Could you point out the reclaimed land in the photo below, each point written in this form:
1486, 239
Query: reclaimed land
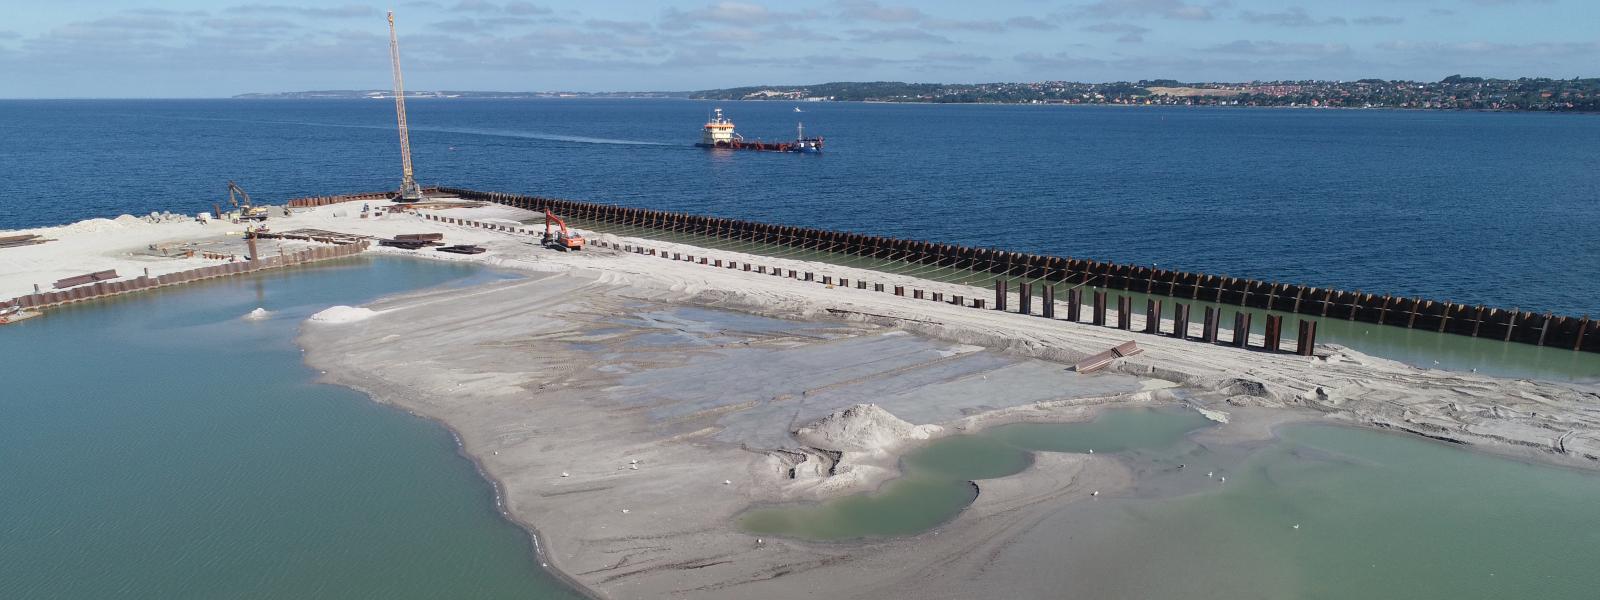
629, 407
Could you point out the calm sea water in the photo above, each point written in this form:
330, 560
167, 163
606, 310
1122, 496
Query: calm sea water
1501, 209
158, 446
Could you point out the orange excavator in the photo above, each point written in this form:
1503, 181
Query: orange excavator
566, 240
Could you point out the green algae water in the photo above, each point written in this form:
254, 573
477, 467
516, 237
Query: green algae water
937, 484
159, 446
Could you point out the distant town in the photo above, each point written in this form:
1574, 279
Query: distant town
1451, 93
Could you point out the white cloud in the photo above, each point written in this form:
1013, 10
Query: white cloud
1268, 48
1171, 9
1294, 16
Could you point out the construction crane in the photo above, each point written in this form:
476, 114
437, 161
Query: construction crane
248, 211
566, 240
409, 192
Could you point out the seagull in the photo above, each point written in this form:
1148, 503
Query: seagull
634, 467
1223, 480
1296, 525
624, 511
1091, 451
1210, 474
564, 474
1094, 493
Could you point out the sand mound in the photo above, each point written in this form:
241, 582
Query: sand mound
127, 220
862, 428
92, 226
259, 314
342, 314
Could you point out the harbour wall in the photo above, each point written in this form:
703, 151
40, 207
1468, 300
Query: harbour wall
1542, 329
144, 282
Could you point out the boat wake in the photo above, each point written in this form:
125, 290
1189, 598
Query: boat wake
506, 133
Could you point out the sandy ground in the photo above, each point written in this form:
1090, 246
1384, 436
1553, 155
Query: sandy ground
555, 384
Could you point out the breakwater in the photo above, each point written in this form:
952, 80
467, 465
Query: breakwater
1542, 329
145, 282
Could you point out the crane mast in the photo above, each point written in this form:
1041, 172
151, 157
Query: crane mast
409, 192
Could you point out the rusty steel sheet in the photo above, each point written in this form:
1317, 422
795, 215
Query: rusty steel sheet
1104, 359
420, 237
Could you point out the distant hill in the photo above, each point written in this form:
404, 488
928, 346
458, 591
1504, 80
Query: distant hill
1455, 92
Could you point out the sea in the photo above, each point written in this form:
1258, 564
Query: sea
1501, 209
161, 446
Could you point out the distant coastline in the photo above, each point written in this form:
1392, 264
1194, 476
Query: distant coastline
1451, 93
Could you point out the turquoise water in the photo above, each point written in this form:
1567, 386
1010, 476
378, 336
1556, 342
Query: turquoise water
1320, 512
937, 484
158, 446
1380, 516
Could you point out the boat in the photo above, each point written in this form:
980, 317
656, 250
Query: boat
719, 133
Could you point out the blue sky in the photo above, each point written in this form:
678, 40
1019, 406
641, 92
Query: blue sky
180, 48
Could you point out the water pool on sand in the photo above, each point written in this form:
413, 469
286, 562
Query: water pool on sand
1322, 511
1379, 515
160, 446
937, 481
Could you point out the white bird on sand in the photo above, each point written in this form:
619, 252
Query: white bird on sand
565, 474
634, 467
1094, 493
727, 482
624, 511
1091, 451
634, 461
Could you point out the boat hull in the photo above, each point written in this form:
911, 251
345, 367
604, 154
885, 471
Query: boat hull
799, 146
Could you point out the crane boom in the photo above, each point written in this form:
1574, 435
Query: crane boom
409, 192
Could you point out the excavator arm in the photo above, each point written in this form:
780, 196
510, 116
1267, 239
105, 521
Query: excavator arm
247, 209
235, 192
567, 240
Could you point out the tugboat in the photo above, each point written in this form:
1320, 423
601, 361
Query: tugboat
719, 133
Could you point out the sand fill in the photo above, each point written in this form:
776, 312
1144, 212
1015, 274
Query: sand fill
862, 428
342, 314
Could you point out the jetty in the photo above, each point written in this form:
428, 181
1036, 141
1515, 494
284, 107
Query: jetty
1184, 305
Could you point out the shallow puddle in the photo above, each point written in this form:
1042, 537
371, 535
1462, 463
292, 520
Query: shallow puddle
937, 484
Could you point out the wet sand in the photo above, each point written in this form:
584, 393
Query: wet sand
560, 374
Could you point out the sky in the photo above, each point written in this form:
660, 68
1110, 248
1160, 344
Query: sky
191, 48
